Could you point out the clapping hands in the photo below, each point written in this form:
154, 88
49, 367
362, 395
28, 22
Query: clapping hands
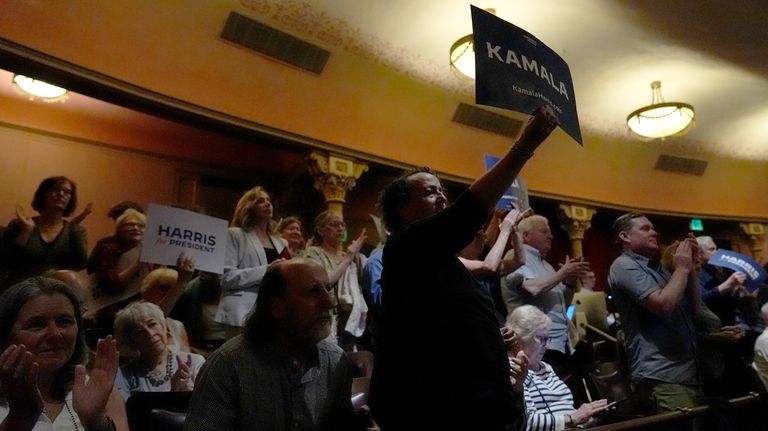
357, 245
18, 378
182, 378
25, 223
90, 396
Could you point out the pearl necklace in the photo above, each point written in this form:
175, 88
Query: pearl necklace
69, 411
155, 381
71, 416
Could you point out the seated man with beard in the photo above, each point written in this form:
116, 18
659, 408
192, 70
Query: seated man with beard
280, 373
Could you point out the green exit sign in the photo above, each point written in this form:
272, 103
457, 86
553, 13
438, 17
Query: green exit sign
697, 225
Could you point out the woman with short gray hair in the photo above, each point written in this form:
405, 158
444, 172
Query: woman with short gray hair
549, 402
141, 327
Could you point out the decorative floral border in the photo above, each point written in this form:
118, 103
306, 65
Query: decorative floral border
301, 18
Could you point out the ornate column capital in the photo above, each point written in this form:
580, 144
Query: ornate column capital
334, 176
575, 219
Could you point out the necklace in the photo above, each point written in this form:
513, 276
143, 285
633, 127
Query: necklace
71, 416
69, 411
155, 380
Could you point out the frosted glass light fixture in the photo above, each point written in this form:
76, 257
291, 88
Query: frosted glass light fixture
661, 119
37, 89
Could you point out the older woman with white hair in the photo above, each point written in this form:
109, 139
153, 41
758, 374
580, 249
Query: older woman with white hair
549, 402
159, 367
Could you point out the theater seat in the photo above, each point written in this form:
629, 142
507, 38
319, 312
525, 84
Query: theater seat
140, 405
164, 420
613, 384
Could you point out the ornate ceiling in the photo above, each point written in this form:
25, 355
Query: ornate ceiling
710, 54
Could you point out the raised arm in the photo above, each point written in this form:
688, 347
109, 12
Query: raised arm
663, 300
490, 187
491, 265
353, 252
517, 257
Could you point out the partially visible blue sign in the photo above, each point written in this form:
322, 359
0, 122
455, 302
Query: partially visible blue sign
516, 195
515, 70
756, 275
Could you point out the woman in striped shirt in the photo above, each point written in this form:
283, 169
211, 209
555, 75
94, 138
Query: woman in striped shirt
549, 402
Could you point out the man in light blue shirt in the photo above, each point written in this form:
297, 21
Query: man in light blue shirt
544, 287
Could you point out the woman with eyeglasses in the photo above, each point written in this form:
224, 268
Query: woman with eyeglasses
253, 244
344, 273
47, 242
549, 402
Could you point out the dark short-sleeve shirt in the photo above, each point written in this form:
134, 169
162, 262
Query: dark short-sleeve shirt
440, 359
659, 347
36, 257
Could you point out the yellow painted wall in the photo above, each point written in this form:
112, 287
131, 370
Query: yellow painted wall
103, 176
173, 47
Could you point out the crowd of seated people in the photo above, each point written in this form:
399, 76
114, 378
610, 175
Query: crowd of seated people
114, 292
159, 324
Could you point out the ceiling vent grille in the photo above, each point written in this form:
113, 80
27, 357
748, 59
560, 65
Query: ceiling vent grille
681, 165
486, 120
274, 43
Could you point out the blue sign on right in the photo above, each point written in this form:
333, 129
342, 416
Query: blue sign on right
515, 70
756, 275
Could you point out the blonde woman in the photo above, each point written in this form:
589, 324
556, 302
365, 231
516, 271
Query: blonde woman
252, 245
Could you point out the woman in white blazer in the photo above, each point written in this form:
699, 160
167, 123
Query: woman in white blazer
252, 245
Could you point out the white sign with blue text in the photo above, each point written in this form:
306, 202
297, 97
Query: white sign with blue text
756, 275
173, 231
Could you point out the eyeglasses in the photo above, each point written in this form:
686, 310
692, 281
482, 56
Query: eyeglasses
543, 339
62, 190
336, 224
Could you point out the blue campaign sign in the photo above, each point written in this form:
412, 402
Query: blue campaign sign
516, 195
756, 275
515, 70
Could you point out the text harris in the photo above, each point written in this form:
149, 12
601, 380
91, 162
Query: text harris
186, 238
